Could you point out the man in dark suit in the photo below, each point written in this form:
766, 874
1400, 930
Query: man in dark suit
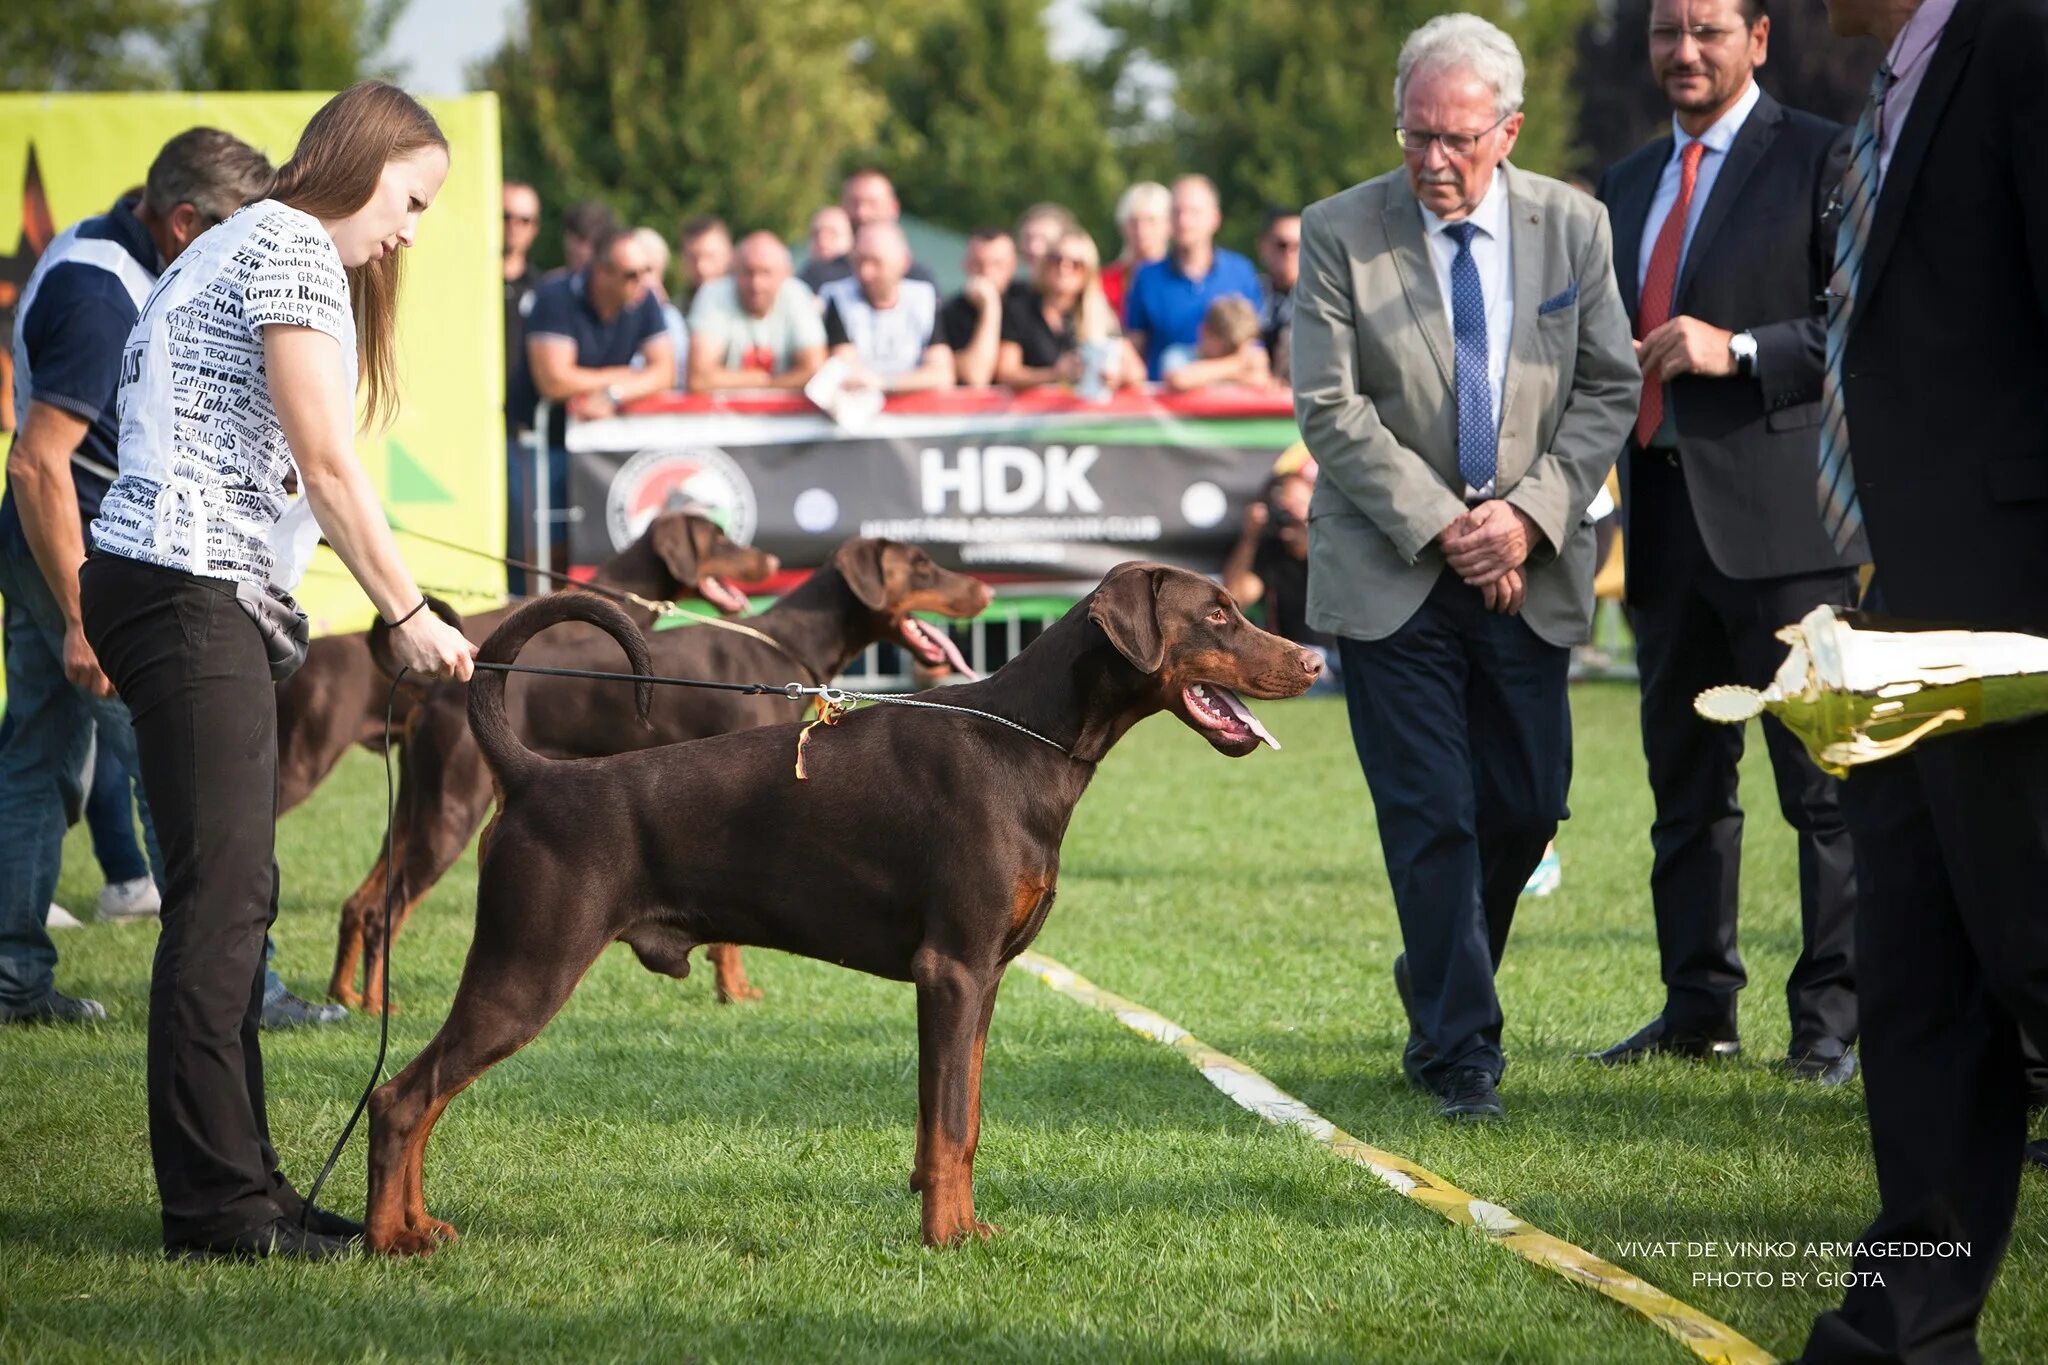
1935, 440
1722, 257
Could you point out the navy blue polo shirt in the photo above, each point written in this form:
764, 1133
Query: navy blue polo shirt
73, 335
561, 308
1168, 307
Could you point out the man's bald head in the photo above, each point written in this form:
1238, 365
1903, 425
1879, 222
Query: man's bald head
761, 266
881, 257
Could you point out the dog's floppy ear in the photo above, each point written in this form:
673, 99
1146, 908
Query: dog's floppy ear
1126, 606
679, 542
861, 563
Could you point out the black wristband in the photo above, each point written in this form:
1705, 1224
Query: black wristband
394, 625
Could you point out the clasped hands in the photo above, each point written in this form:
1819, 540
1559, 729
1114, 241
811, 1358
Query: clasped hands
1486, 547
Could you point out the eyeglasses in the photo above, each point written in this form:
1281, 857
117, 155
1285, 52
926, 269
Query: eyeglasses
1669, 35
1458, 146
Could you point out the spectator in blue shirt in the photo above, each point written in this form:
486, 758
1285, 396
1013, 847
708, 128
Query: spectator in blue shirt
595, 341
1168, 299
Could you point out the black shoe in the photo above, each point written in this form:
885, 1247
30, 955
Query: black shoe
2037, 1154
1824, 1065
326, 1222
1418, 1052
1655, 1040
56, 1008
1469, 1096
285, 1010
278, 1237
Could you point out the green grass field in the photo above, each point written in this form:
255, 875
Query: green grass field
661, 1178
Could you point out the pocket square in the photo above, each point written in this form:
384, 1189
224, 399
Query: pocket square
1566, 299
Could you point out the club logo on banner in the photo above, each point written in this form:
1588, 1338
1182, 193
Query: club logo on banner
656, 481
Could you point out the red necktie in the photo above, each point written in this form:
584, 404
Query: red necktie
1653, 310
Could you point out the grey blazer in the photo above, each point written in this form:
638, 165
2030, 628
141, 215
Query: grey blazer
1374, 394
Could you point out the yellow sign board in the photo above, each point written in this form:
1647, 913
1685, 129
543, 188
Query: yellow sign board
441, 465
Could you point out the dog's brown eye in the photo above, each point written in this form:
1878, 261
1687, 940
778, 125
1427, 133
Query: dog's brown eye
1219, 617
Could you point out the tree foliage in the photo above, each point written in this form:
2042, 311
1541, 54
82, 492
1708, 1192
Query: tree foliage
980, 119
85, 44
663, 110
1286, 101
1621, 107
285, 44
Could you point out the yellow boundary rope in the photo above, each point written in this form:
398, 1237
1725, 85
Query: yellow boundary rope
1710, 1340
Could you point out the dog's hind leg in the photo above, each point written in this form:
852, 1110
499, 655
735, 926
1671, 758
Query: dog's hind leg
730, 974
510, 989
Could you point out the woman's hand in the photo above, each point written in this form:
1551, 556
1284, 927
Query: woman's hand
427, 644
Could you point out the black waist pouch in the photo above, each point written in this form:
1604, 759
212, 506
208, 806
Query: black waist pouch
284, 628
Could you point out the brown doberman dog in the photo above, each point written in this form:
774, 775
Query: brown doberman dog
865, 593
924, 846
337, 699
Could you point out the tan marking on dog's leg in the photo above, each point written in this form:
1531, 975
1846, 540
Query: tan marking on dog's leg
729, 974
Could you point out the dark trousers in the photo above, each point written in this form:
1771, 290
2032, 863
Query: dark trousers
188, 662
1952, 963
1698, 628
1464, 730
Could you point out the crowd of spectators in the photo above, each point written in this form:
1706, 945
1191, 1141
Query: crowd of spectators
1037, 307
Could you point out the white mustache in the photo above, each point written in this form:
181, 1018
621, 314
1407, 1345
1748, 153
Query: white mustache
1437, 177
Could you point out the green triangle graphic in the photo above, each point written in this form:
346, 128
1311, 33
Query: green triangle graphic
407, 480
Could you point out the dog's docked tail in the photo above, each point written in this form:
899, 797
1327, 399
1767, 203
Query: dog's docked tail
509, 758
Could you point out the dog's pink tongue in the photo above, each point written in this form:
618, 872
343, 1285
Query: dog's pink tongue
721, 594
930, 635
1243, 713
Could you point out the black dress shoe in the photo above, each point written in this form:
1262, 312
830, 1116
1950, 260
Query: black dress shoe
1469, 1096
1655, 1040
279, 1237
1822, 1065
1418, 1052
2037, 1154
326, 1222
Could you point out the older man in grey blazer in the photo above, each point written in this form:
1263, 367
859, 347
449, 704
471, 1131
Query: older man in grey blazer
1464, 375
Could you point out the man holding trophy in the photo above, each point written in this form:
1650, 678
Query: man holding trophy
1934, 445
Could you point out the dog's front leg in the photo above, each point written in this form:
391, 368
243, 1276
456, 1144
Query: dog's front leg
951, 1000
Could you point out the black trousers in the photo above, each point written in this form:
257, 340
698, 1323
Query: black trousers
188, 662
1952, 960
1698, 628
1464, 729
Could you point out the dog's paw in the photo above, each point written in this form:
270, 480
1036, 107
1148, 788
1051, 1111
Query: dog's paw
405, 1242
429, 1226
738, 995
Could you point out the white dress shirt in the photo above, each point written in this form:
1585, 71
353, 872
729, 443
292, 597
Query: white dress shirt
1495, 262
1717, 140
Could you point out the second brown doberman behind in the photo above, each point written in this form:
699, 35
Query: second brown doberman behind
338, 697
924, 847
868, 591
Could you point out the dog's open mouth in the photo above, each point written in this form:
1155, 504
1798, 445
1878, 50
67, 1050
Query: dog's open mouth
933, 646
722, 594
1217, 709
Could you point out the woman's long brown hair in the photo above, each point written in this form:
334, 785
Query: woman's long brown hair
339, 160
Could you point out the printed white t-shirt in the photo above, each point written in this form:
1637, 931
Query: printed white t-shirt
203, 459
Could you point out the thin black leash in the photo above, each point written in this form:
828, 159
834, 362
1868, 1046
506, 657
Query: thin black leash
384, 1014
830, 696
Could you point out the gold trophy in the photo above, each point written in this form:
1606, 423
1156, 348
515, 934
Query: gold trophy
1854, 695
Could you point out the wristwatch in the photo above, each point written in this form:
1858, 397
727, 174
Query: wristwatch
1742, 346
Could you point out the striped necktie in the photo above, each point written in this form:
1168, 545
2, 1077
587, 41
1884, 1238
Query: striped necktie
1841, 515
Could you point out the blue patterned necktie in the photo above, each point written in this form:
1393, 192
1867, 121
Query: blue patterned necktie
1478, 437
1841, 514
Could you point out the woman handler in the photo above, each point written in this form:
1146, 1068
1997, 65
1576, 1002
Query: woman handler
242, 371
